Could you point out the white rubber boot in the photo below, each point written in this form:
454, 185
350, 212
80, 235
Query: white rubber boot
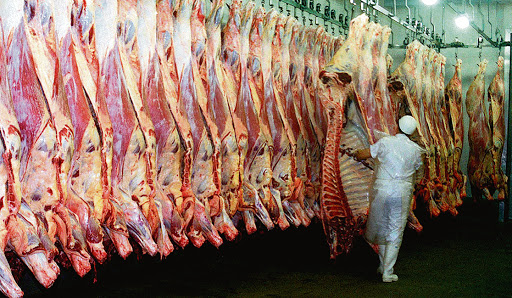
389, 261
382, 252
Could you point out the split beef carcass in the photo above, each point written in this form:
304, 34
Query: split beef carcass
40, 142
282, 47
254, 153
135, 68
266, 103
486, 134
306, 138
480, 163
164, 155
337, 216
180, 186
284, 156
21, 230
121, 129
409, 78
14, 232
191, 101
85, 189
453, 96
217, 114
453, 92
259, 160
222, 90
496, 98
84, 75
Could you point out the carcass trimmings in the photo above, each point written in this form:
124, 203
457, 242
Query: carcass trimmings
144, 123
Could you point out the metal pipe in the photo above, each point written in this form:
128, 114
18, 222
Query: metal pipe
472, 9
482, 17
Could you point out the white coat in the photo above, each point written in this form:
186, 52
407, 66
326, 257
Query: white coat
397, 158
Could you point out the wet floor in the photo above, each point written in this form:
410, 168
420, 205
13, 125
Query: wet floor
470, 255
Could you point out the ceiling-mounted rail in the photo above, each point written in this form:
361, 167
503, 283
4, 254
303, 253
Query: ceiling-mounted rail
477, 29
417, 28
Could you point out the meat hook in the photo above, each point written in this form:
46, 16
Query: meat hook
409, 12
327, 8
489, 14
432, 22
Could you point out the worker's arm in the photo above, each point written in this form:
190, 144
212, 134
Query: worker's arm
362, 154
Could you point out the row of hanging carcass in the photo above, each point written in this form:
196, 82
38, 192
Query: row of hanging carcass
373, 98
144, 123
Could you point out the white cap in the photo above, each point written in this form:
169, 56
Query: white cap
407, 124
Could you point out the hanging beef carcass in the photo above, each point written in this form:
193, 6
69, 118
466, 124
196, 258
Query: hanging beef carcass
14, 232
480, 165
259, 161
281, 62
306, 138
337, 216
190, 101
407, 79
206, 45
40, 143
453, 92
437, 94
311, 106
180, 186
443, 119
496, 97
85, 189
154, 91
221, 91
254, 148
22, 232
80, 72
261, 36
135, 66
124, 134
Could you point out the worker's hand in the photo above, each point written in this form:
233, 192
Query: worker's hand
357, 154
363, 154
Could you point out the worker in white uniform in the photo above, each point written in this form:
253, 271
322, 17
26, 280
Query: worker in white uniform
397, 158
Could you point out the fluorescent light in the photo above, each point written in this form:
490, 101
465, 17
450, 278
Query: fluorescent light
462, 21
429, 2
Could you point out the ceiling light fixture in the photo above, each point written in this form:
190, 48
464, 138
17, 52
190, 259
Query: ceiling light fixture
429, 2
462, 21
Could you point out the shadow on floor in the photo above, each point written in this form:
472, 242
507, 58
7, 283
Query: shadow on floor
469, 255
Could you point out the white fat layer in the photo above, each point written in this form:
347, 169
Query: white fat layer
146, 36
106, 25
11, 12
62, 17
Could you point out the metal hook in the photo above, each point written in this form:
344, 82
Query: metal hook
489, 14
409, 11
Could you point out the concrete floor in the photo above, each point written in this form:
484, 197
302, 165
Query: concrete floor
470, 255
